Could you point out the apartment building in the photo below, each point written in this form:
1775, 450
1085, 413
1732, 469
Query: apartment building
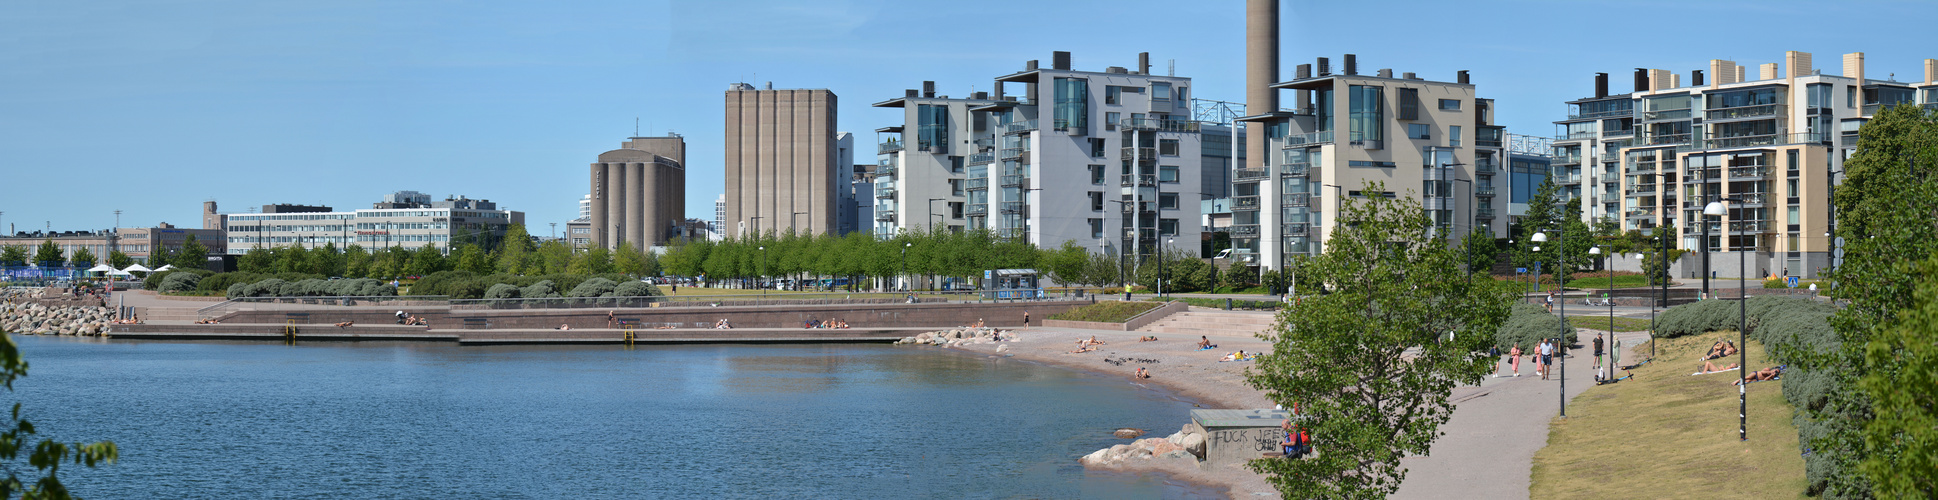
1108, 159
1775, 142
398, 221
1428, 140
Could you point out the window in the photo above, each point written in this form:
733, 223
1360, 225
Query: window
1364, 109
1450, 105
1096, 228
955, 210
1167, 173
1110, 120
1096, 201
1167, 201
1096, 147
1419, 131
955, 187
933, 128
955, 164
1113, 94
1791, 158
1096, 174
1167, 147
1073, 105
1377, 164
1167, 227
1160, 91
1409, 104
581, 230
1793, 215
1850, 96
1453, 135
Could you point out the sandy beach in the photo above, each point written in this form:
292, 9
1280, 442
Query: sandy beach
1175, 365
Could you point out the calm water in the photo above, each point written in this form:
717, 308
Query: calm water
404, 420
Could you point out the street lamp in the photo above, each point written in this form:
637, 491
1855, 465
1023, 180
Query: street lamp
763, 269
1610, 298
1716, 209
904, 276
1160, 264
1561, 282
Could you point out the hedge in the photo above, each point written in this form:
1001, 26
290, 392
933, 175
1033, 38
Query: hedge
1115, 311
1527, 325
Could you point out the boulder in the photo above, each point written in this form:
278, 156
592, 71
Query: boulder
1098, 457
1177, 454
1127, 433
1194, 443
1165, 447
1002, 348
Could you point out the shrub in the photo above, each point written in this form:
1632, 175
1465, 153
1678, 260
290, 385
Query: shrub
224, 281
1776, 283
541, 289
1526, 325
1697, 318
502, 291
179, 282
465, 289
1107, 312
595, 287
636, 288
439, 283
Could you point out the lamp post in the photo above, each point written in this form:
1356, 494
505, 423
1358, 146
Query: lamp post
904, 275
1468, 218
1561, 282
1716, 209
1160, 264
1610, 298
763, 269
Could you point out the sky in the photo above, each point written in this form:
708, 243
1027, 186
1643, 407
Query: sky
153, 107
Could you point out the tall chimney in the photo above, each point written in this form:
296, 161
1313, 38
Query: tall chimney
1261, 71
1931, 71
1854, 66
1601, 84
1641, 80
1143, 63
1325, 67
1352, 64
928, 89
1461, 78
1304, 71
1060, 60
1695, 78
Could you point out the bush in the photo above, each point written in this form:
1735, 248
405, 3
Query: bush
179, 282
1107, 312
541, 289
595, 287
636, 288
1697, 318
439, 283
502, 291
1776, 283
1526, 325
224, 281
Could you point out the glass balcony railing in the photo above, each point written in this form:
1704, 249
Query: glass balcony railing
1244, 230
1667, 114
1752, 198
1749, 226
976, 209
1160, 125
1244, 202
1602, 113
1295, 229
1642, 189
1018, 127
975, 183
1295, 169
982, 158
1249, 174
1758, 141
887, 167
1010, 181
1483, 190
1015, 153
1744, 112
1618, 133
1611, 177
885, 215
891, 146
1666, 139
1748, 172
1574, 136
1484, 213
1015, 208
1140, 179
1567, 159
1295, 200
885, 192
1308, 139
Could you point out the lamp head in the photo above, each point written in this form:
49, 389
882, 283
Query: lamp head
1537, 248
1595, 251
1714, 208
1540, 237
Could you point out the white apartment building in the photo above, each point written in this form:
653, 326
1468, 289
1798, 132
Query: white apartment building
1109, 159
407, 224
1776, 142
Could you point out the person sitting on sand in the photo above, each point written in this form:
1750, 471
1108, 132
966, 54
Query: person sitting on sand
1204, 342
722, 325
1770, 373
564, 326
1094, 341
1708, 367
1141, 373
345, 324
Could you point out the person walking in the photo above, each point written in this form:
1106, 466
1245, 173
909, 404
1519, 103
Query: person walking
1026, 317
1598, 356
1514, 358
1547, 358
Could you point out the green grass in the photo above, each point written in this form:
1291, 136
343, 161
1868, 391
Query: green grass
1666, 434
1586, 282
1268, 304
1115, 311
1622, 324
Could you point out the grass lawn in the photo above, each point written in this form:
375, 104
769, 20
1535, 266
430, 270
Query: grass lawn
1601, 322
1112, 311
1666, 434
1623, 281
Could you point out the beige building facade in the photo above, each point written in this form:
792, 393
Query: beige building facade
782, 166
638, 193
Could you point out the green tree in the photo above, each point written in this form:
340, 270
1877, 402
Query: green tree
473, 260
1482, 248
1885, 210
193, 255
47, 455
49, 254
256, 260
293, 259
1543, 213
426, 260
115, 258
158, 256
1066, 264
688, 258
82, 257
590, 262
1414, 328
553, 258
1901, 362
356, 261
514, 253
13, 255
628, 260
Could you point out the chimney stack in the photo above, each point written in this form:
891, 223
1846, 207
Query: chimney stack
1261, 71
1325, 67
1601, 85
912, 93
1408, 76
1854, 66
1030, 66
928, 89
1695, 78
1060, 60
1304, 71
1798, 62
1143, 63
1385, 72
1461, 78
1352, 64
1641, 80
1931, 71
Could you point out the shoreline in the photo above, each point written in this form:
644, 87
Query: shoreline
1177, 367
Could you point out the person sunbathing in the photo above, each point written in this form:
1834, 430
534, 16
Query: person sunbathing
1708, 367
1082, 348
1147, 338
1723, 348
1204, 342
345, 324
722, 325
1770, 373
1094, 341
1141, 373
1236, 356
564, 326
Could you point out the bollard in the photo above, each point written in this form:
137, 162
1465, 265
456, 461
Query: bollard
1228, 303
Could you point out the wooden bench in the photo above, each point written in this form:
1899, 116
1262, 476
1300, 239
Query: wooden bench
477, 323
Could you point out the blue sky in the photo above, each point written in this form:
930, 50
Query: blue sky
154, 107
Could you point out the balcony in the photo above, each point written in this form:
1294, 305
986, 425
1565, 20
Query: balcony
1484, 213
1611, 177
1244, 230
1749, 226
1568, 179
1295, 200
1648, 211
975, 183
1140, 180
1752, 198
1021, 127
1016, 208
1298, 140
1146, 154
978, 209
1618, 133
1762, 110
885, 193
1665, 140
1713, 228
887, 167
1667, 114
1484, 191
885, 216
1642, 189
890, 147
1160, 125
1295, 229
1761, 140
1575, 136
1602, 114
1019, 154
982, 158
1748, 172
1572, 159
1249, 174
1011, 181
1244, 202
1295, 169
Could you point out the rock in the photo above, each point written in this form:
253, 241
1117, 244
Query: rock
1194, 443
1098, 457
1002, 348
1175, 437
1166, 447
1127, 433
1177, 454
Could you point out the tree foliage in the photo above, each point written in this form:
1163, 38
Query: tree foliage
14, 256
82, 257
193, 254
115, 258
48, 254
1901, 378
1371, 363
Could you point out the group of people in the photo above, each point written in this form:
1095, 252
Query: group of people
1087, 345
1722, 348
404, 318
830, 323
132, 319
722, 325
210, 321
1147, 338
1542, 356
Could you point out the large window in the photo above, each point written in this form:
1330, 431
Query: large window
1096, 201
1167, 201
1096, 228
1409, 104
1096, 174
1419, 131
1450, 105
1160, 91
1111, 119
1167, 173
1167, 147
1453, 135
1323, 100
1073, 105
1364, 110
933, 128
1167, 227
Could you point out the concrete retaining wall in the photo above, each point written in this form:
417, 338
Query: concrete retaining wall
895, 315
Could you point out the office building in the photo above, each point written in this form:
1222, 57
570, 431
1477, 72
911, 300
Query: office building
1108, 159
782, 160
719, 224
639, 193
135, 242
1776, 143
405, 220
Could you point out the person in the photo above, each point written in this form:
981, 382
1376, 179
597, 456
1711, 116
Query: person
1708, 368
1598, 354
1295, 443
1514, 354
345, 324
1026, 318
1550, 303
1204, 342
1094, 341
402, 316
563, 326
722, 324
1141, 373
1547, 358
611, 320
1770, 373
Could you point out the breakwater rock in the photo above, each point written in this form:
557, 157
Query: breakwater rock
962, 336
32, 318
1182, 444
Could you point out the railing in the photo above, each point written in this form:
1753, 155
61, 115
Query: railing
1244, 230
1484, 213
1483, 190
1570, 179
1295, 200
1160, 125
975, 183
754, 300
1618, 133
1753, 226
1308, 139
377, 302
1147, 154
1660, 140
1611, 177
1015, 153
1713, 227
1641, 212
976, 209
1642, 189
885, 215
1752, 197
1667, 114
1010, 181
981, 158
1573, 159
1295, 229
1604, 113
1295, 169
888, 166
1244, 202
1019, 127
1744, 112
885, 192
1574, 136
1139, 179
891, 146
1743, 172
1761, 140
1015, 208
1249, 174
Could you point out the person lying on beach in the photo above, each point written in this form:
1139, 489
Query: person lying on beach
1708, 368
1721, 349
345, 324
1236, 356
1082, 348
416, 321
563, 326
1094, 341
722, 325
1147, 338
1770, 373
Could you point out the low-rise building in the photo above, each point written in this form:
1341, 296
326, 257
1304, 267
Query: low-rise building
411, 224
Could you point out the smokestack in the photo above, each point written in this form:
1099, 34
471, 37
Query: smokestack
1304, 71
928, 89
1601, 84
1143, 63
1060, 60
1461, 77
1325, 67
1641, 80
1352, 64
1261, 71
1695, 78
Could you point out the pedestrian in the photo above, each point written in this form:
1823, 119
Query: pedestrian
1514, 358
1547, 358
1026, 317
1598, 355
611, 320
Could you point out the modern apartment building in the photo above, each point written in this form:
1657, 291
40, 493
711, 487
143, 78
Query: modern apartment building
135, 242
411, 225
1776, 142
639, 193
782, 160
1429, 140
1107, 159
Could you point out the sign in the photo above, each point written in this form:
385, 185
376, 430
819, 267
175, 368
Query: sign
1522, 270
1793, 281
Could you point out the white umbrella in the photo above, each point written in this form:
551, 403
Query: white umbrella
100, 268
118, 272
137, 267
165, 268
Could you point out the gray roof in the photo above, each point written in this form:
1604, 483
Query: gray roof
1238, 418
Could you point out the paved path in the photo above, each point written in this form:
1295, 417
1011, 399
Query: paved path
1488, 450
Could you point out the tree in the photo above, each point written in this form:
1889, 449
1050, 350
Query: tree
356, 261
514, 252
594, 261
1543, 213
553, 258
48, 254
158, 256
473, 260
256, 260
1065, 264
426, 260
1414, 328
83, 257
193, 255
115, 258
293, 259
46, 455
630, 261
1902, 380
13, 256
